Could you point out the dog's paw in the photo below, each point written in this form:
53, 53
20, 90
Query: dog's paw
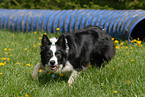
35, 76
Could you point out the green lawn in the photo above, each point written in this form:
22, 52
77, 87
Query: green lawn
20, 52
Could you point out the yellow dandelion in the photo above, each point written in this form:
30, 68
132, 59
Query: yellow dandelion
128, 82
13, 43
40, 70
140, 45
113, 68
118, 58
10, 49
132, 50
2, 64
112, 38
90, 65
35, 32
128, 53
11, 55
137, 38
39, 43
6, 52
57, 28
131, 47
115, 91
61, 74
5, 49
117, 47
26, 95
13, 34
8, 59
4, 58
34, 45
139, 42
132, 60
116, 41
28, 64
126, 47
40, 38
18, 63
25, 48
45, 33
121, 43
1, 73
134, 40
121, 47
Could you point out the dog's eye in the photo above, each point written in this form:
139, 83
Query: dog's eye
57, 54
49, 53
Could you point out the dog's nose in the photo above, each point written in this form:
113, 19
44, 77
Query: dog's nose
52, 62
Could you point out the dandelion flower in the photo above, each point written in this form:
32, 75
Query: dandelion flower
57, 28
26, 95
126, 47
112, 38
39, 43
40, 70
13, 34
25, 48
1, 73
128, 82
128, 53
115, 92
132, 60
121, 43
5, 49
34, 45
45, 33
4, 58
10, 49
2, 64
40, 38
116, 41
28, 64
17, 63
35, 32
117, 47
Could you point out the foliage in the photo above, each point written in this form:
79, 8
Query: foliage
123, 76
72, 4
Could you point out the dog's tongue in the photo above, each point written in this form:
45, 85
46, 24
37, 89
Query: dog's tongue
53, 67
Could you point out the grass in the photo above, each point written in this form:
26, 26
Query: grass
122, 76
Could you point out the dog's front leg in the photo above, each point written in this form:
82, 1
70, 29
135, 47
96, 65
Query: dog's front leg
74, 74
35, 73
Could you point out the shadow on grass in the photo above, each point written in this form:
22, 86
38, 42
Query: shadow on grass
45, 78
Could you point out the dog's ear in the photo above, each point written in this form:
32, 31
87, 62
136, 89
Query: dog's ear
61, 42
45, 40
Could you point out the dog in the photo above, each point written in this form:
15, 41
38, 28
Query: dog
72, 53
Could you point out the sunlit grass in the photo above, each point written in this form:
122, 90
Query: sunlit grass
20, 52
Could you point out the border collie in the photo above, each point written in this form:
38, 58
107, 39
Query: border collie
71, 53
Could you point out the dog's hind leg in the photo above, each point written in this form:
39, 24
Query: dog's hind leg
35, 73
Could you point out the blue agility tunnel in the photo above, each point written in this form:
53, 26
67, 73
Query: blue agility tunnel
120, 24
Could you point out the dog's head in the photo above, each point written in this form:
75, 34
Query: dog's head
53, 52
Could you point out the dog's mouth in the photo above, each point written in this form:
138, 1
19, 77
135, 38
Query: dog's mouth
53, 67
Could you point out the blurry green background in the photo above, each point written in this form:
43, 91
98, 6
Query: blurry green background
72, 4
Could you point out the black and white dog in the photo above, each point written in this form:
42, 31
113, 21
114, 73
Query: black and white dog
71, 53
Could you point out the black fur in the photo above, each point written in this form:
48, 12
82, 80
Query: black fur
88, 45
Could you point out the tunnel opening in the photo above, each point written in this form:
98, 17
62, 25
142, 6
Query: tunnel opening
139, 31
